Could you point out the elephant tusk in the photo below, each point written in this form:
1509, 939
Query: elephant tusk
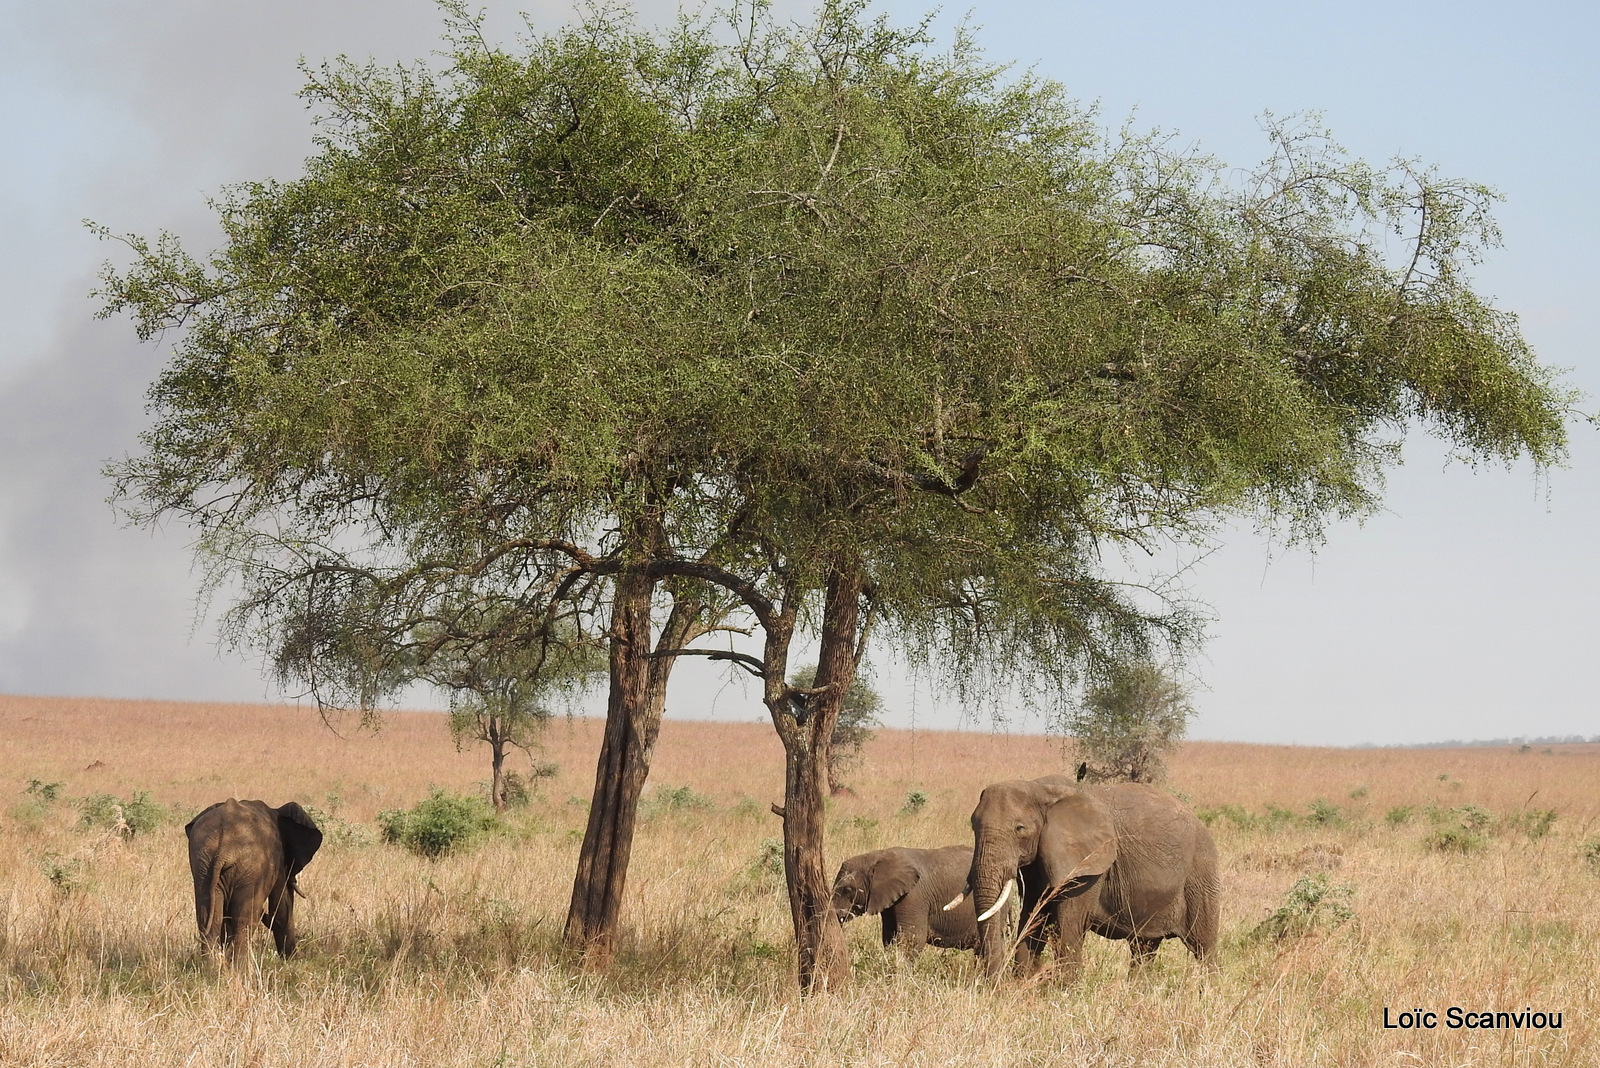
955, 901
1005, 895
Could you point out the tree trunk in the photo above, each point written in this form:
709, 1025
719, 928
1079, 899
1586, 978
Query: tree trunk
824, 960
497, 762
619, 777
638, 699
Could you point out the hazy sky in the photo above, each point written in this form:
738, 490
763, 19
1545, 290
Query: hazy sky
1467, 610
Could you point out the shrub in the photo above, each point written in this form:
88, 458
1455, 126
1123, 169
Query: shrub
439, 824
47, 792
1463, 829
1359, 792
1278, 817
1126, 725
65, 874
1234, 814
137, 815
916, 801
1533, 822
1312, 902
1399, 814
769, 860
1324, 814
1591, 854
674, 799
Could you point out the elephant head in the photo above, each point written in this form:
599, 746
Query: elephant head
869, 883
1054, 837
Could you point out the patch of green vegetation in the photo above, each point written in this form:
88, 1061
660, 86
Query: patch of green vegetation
1591, 854
1534, 823
136, 815
916, 801
664, 799
441, 823
1359, 792
1313, 902
1321, 813
47, 792
1399, 815
66, 875
1462, 829
768, 863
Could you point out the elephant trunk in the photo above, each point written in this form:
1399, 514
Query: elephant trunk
993, 875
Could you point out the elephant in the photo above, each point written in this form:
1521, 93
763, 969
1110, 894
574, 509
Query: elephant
908, 886
1124, 861
245, 857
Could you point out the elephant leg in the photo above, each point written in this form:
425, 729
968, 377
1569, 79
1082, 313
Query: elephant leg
891, 928
243, 909
1031, 938
912, 937
1143, 950
280, 920
1071, 920
1200, 932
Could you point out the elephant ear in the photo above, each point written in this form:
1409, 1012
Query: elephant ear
301, 837
892, 878
1079, 838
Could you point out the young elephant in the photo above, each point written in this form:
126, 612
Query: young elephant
244, 856
1124, 861
909, 887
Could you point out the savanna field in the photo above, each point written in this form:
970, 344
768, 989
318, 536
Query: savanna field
1352, 880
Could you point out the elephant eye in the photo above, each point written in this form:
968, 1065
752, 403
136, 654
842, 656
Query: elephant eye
1022, 829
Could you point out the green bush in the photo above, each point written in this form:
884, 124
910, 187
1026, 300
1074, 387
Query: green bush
1463, 829
1398, 815
769, 861
137, 815
1312, 902
441, 823
673, 799
1591, 854
1535, 823
47, 792
916, 801
1324, 814
65, 874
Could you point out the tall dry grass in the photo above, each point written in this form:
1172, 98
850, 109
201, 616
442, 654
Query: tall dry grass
457, 962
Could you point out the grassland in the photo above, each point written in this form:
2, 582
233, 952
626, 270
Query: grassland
1460, 892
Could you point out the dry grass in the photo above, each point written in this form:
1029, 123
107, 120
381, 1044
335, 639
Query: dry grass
454, 962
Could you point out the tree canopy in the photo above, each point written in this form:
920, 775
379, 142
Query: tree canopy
792, 321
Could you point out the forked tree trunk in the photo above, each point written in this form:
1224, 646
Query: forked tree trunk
634, 709
824, 960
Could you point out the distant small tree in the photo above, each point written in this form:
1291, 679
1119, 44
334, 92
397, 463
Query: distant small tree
505, 700
854, 728
1127, 725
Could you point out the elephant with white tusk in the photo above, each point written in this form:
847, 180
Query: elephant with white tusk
1124, 861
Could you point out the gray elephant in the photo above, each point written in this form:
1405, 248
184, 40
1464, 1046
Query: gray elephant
245, 856
1124, 861
908, 887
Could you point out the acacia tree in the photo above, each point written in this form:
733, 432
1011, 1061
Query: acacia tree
814, 324
1127, 723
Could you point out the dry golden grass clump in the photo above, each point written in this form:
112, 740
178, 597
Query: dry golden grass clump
1353, 880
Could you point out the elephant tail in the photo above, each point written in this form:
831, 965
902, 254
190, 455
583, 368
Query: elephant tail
216, 909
